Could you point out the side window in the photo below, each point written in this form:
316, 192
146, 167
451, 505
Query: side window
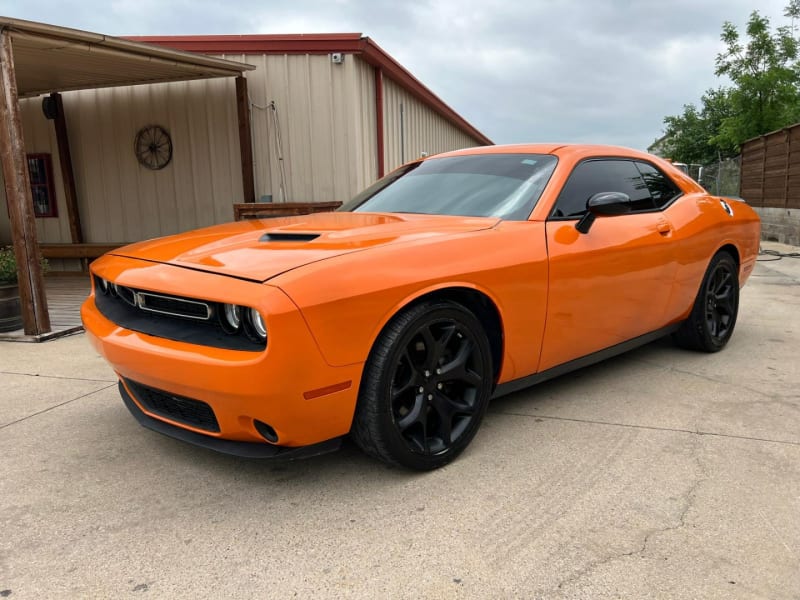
661, 187
595, 176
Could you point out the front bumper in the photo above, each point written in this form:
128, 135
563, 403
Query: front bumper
287, 386
243, 449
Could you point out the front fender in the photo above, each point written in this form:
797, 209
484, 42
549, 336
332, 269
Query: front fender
347, 300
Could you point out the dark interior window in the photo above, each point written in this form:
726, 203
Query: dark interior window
661, 187
606, 175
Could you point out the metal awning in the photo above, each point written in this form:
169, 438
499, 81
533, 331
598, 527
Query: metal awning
50, 58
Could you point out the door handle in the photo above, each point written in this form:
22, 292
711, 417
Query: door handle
664, 228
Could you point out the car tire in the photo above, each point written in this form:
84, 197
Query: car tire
713, 317
425, 387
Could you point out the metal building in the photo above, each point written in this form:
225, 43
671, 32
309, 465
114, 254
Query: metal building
329, 114
280, 118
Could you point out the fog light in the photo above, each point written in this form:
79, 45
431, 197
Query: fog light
266, 431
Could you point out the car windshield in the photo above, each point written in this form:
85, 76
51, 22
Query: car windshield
479, 185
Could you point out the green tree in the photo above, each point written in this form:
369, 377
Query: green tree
792, 11
764, 94
691, 136
765, 77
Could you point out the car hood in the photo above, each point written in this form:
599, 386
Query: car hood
260, 249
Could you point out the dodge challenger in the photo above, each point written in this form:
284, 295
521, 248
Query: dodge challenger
454, 279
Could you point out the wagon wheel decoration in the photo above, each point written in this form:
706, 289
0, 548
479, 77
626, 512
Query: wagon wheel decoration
153, 147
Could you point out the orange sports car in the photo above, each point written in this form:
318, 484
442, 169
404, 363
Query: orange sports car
452, 280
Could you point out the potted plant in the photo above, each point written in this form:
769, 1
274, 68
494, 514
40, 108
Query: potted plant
10, 307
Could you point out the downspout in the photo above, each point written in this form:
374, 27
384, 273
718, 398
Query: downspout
379, 121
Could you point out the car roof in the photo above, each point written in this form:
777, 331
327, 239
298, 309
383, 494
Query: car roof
561, 150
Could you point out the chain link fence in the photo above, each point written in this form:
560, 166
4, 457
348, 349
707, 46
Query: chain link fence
719, 178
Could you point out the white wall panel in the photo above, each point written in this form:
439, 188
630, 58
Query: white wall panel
423, 129
121, 200
323, 111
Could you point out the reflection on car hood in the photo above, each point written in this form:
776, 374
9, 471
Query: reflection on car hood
261, 249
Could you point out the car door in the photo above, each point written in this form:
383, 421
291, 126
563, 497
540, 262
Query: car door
611, 284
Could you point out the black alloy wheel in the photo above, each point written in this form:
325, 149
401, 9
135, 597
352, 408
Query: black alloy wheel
425, 387
720, 302
713, 317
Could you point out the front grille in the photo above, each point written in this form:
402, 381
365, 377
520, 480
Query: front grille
189, 320
195, 413
174, 306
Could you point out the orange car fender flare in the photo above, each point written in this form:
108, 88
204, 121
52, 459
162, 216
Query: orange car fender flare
443, 287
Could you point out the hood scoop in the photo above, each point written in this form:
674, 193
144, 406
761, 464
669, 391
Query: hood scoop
285, 236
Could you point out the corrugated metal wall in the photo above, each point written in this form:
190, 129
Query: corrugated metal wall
770, 174
420, 129
324, 115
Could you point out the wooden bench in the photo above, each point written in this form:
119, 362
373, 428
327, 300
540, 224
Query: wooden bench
76, 250
266, 210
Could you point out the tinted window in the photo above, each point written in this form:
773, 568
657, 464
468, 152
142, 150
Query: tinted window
661, 187
479, 185
595, 176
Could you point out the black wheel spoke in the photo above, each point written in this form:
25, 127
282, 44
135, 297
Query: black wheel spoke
722, 281
436, 343
726, 305
445, 420
713, 323
414, 415
456, 405
398, 391
458, 368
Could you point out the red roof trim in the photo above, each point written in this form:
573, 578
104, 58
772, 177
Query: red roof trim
318, 43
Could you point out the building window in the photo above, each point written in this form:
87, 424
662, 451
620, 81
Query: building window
40, 168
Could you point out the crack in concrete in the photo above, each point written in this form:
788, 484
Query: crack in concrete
688, 503
757, 391
49, 408
56, 377
696, 432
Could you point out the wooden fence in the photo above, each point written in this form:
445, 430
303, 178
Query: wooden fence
770, 173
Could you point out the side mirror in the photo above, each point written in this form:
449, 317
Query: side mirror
603, 203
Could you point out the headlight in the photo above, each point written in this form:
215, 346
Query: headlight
258, 326
231, 318
102, 285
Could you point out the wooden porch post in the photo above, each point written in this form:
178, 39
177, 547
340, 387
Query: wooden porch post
67, 172
245, 139
35, 317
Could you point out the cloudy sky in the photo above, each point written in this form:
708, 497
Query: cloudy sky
604, 71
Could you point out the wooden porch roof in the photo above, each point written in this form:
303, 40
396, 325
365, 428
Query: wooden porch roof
48, 59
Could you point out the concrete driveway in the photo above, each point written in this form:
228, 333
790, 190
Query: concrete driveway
659, 474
